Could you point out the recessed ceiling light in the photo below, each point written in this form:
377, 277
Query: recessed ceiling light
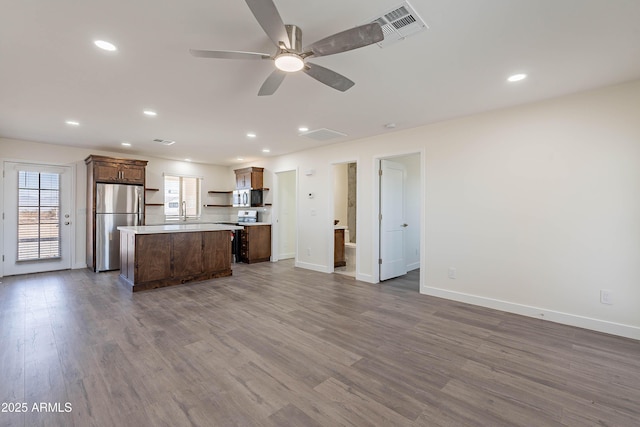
251, 135
125, 144
72, 123
240, 159
303, 129
104, 45
517, 77
266, 150
150, 113
187, 160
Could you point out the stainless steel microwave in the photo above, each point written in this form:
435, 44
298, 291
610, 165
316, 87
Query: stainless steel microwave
247, 198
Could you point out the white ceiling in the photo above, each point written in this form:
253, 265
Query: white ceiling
51, 72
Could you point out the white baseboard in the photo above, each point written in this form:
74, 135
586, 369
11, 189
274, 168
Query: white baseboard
413, 266
365, 278
613, 328
314, 267
286, 256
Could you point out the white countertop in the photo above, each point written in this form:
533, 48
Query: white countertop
177, 228
340, 227
249, 224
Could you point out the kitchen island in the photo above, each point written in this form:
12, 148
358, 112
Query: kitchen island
155, 256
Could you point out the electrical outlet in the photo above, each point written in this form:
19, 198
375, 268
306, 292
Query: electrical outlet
452, 273
606, 296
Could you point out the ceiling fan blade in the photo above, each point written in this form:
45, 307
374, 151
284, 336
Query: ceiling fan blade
272, 83
354, 38
269, 19
328, 77
228, 54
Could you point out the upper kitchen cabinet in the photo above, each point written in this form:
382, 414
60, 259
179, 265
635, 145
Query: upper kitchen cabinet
118, 171
249, 178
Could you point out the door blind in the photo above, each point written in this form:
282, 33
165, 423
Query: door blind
38, 215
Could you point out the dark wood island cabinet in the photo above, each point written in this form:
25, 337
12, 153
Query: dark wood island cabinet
158, 256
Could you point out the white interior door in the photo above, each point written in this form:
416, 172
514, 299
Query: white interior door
37, 218
392, 225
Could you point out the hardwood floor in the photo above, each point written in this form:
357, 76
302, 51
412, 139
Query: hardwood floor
273, 345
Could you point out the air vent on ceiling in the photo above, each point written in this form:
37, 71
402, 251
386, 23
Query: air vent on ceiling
399, 23
323, 134
164, 141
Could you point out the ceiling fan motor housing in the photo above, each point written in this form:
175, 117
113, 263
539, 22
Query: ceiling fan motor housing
295, 38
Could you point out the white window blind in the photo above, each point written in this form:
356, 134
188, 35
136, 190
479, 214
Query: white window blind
38, 215
178, 189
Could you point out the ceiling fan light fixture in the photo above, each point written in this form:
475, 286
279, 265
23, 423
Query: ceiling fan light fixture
289, 62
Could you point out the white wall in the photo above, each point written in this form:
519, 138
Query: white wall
215, 178
537, 207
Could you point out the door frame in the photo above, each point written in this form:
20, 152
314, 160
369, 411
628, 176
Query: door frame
74, 217
331, 207
375, 226
275, 220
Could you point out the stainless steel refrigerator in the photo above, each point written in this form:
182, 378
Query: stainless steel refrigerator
116, 205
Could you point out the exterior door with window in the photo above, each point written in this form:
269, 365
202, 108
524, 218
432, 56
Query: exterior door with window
37, 218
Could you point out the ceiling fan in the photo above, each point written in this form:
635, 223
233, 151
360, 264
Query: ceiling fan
290, 56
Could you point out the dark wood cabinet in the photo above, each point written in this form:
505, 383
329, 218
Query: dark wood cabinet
255, 244
338, 248
154, 250
217, 251
163, 259
108, 170
187, 254
117, 171
249, 178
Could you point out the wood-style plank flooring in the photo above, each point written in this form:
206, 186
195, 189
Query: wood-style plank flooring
273, 345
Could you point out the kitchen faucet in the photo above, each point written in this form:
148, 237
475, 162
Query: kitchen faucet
184, 210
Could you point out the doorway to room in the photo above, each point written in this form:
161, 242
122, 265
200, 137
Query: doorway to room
400, 200
344, 233
285, 242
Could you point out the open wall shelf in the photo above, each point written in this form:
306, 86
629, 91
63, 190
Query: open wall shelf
223, 197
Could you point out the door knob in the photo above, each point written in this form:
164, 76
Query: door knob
405, 225
67, 223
